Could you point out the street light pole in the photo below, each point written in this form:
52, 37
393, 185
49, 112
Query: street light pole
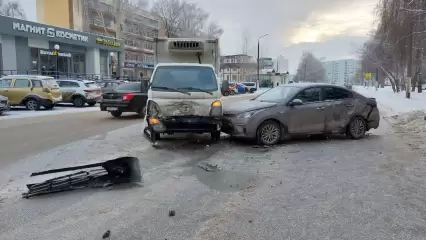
57, 59
258, 59
111, 62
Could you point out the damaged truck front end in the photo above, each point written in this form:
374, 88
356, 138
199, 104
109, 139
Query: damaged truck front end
177, 116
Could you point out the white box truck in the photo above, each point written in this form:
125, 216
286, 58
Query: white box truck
184, 90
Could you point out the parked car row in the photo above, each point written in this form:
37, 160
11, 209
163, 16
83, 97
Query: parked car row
239, 88
35, 92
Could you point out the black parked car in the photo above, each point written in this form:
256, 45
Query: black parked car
127, 97
4, 104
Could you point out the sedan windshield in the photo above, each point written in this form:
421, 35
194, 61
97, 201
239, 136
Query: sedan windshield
277, 94
191, 78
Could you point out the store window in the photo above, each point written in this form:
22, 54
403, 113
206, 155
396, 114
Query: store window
34, 60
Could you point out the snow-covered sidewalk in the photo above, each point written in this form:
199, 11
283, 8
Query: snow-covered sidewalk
24, 113
395, 102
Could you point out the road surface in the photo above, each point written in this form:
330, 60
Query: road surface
22, 137
303, 189
26, 136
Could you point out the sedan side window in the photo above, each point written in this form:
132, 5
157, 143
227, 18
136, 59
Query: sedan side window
309, 95
333, 93
5, 83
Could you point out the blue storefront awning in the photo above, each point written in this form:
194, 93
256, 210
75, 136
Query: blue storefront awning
138, 65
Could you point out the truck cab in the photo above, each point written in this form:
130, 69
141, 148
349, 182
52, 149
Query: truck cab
184, 90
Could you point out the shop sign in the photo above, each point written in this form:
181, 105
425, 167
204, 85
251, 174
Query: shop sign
137, 65
107, 42
55, 53
49, 32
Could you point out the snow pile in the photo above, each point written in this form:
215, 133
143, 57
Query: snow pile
23, 113
411, 128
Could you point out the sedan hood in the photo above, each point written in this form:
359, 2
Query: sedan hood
246, 106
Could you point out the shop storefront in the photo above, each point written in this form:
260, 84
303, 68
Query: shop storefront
29, 47
133, 70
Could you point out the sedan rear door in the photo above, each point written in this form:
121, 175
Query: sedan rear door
341, 108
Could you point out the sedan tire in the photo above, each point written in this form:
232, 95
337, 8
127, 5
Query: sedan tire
269, 133
356, 128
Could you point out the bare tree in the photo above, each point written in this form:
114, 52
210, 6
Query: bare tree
310, 69
192, 20
182, 19
168, 13
12, 9
214, 30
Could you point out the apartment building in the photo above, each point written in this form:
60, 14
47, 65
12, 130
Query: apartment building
341, 72
98, 17
237, 68
282, 64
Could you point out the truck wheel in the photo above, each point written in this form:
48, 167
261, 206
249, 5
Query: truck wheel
215, 136
116, 114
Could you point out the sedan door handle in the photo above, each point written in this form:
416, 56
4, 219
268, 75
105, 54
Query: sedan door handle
320, 108
349, 105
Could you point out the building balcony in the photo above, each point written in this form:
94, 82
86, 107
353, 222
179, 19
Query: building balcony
139, 49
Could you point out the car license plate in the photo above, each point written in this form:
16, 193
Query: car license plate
112, 108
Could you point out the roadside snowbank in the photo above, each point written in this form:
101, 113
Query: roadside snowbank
411, 129
23, 113
395, 102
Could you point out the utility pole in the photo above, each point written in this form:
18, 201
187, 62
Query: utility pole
410, 61
258, 59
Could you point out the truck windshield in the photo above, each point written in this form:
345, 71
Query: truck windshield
192, 78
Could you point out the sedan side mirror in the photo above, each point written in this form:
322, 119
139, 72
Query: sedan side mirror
295, 102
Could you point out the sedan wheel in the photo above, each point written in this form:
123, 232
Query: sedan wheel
269, 133
356, 128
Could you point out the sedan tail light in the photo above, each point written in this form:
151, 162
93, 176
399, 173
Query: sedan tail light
128, 97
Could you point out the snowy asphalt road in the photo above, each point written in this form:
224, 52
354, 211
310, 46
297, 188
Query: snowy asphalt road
24, 132
304, 189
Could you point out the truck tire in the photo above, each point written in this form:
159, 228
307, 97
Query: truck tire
215, 136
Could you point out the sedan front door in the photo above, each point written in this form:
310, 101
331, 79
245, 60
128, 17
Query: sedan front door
309, 117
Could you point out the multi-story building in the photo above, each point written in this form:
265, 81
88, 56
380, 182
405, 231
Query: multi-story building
282, 64
98, 16
237, 68
266, 63
341, 72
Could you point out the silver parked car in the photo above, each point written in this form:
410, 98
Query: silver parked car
4, 104
301, 109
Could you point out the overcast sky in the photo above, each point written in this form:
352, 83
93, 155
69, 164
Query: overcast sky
331, 29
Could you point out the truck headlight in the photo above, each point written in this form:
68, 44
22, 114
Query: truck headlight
247, 115
216, 109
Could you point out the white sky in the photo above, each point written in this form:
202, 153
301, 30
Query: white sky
331, 29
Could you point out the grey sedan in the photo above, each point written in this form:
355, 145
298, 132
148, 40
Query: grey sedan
301, 109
